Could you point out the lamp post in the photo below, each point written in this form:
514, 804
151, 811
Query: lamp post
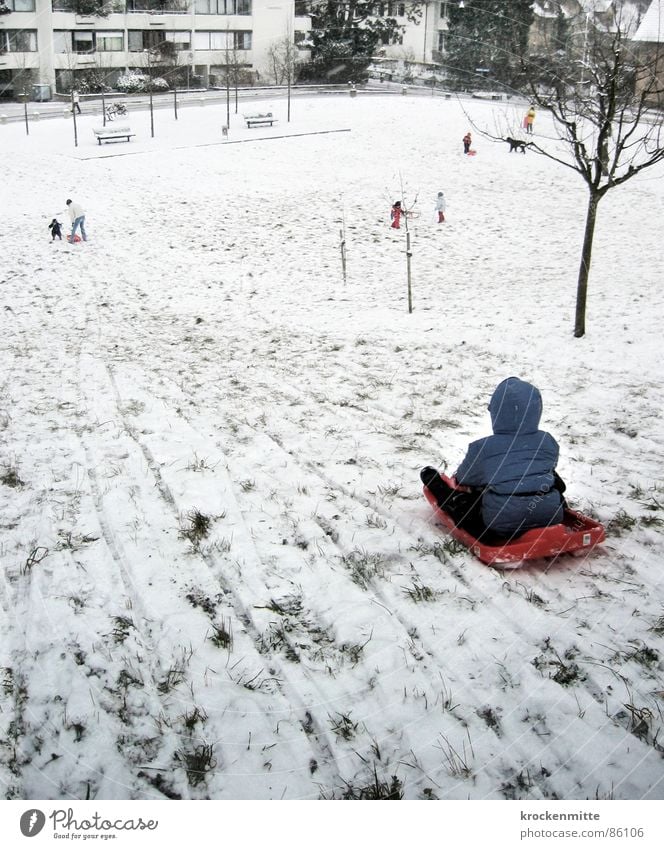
25, 108
147, 53
73, 115
228, 80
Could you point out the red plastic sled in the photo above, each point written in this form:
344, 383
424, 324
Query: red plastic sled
76, 238
575, 533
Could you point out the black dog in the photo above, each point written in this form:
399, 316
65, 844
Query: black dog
516, 144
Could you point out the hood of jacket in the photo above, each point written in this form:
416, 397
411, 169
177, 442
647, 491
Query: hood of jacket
515, 407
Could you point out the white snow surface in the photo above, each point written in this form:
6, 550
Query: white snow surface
201, 353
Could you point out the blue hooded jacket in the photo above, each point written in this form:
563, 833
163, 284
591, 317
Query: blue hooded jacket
515, 465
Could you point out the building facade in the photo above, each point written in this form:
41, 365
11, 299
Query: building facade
49, 41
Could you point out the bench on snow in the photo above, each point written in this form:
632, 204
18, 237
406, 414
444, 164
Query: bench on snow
113, 134
259, 118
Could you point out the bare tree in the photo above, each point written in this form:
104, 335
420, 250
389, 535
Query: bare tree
599, 89
166, 53
283, 59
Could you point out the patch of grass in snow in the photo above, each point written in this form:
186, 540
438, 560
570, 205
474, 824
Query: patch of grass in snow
640, 720
363, 566
490, 717
70, 542
443, 424
651, 521
658, 626
418, 592
521, 784
343, 726
78, 728
390, 789
389, 490
190, 719
197, 529
159, 783
326, 527
7, 680
10, 477
622, 521
197, 598
122, 627
375, 521
197, 762
176, 674
256, 682
457, 759
35, 557
563, 670
200, 464
641, 654
619, 427
290, 605
222, 635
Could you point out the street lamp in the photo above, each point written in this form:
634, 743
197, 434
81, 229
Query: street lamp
147, 53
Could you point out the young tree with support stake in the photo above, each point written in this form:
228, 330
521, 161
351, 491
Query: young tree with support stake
283, 60
600, 106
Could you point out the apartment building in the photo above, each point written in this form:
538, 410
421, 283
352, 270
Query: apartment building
55, 42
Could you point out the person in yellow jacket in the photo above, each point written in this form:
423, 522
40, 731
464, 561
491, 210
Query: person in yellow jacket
530, 119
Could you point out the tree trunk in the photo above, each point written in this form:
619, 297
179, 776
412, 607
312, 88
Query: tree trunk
584, 269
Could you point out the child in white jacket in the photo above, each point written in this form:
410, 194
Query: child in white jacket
440, 207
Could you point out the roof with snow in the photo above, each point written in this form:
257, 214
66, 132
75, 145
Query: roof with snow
652, 24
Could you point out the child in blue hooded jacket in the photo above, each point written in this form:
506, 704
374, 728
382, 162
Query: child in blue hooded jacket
514, 485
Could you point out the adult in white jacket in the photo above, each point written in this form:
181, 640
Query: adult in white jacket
77, 215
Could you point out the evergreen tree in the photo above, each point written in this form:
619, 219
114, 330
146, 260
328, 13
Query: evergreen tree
488, 34
346, 33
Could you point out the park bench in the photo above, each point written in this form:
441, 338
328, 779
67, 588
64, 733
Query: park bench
113, 134
259, 118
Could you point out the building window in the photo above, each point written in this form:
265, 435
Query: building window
182, 39
18, 41
441, 40
164, 7
243, 41
222, 40
149, 39
20, 5
443, 11
301, 9
110, 42
401, 10
213, 40
223, 7
83, 41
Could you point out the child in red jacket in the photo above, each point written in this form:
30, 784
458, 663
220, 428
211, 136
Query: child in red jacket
396, 214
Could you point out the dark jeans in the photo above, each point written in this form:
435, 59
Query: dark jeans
465, 508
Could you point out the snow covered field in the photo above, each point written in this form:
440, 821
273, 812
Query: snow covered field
219, 576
